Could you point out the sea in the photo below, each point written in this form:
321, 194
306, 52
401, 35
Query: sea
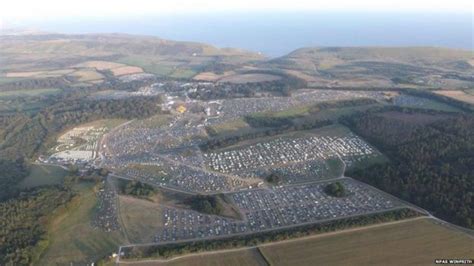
278, 33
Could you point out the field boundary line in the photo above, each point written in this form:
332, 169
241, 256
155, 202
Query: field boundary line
119, 261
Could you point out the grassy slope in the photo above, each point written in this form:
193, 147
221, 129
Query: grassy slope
72, 238
43, 175
249, 257
416, 242
410, 55
154, 55
141, 219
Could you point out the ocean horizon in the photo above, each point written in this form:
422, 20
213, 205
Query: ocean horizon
276, 34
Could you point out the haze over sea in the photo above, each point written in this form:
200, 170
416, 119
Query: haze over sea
276, 34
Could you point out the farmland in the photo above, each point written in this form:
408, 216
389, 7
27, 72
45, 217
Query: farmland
410, 242
175, 144
415, 242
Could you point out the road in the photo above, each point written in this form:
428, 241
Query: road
275, 243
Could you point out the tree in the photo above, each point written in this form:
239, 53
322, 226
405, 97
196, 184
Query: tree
336, 190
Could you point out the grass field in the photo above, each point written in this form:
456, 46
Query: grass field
331, 113
294, 111
73, 239
249, 257
230, 127
28, 92
141, 219
183, 73
416, 242
43, 175
85, 75
154, 121
125, 70
249, 78
151, 65
99, 65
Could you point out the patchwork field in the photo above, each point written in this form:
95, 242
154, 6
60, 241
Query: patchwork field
416, 242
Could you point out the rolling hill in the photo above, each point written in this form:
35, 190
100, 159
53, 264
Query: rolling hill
40, 52
381, 66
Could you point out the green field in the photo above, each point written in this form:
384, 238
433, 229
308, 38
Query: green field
43, 175
154, 121
28, 93
140, 218
230, 127
300, 110
416, 242
304, 111
152, 65
183, 73
73, 239
248, 257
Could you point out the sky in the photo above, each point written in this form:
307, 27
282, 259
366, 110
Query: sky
12, 11
273, 27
